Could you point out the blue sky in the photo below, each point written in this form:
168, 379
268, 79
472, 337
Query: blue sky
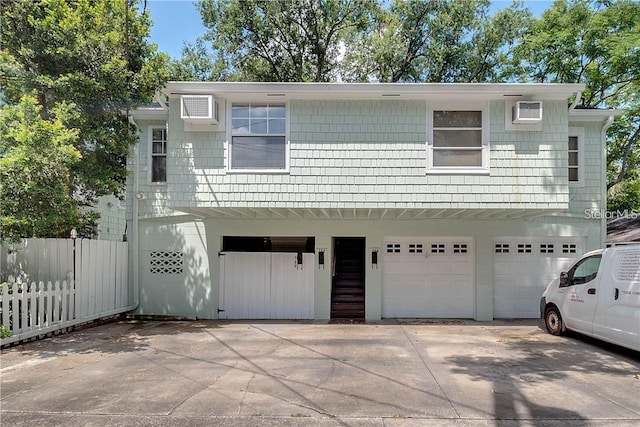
178, 21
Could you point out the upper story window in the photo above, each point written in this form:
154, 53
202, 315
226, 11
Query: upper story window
158, 150
576, 156
459, 140
258, 137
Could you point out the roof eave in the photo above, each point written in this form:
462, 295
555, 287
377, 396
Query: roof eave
595, 115
375, 90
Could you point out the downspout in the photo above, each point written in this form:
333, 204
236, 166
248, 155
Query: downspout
603, 226
160, 101
135, 226
575, 101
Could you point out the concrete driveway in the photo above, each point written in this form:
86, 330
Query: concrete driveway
309, 373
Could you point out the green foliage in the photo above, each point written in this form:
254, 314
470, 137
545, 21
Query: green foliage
624, 197
92, 57
623, 145
596, 43
581, 41
436, 41
363, 40
197, 64
4, 332
35, 171
285, 40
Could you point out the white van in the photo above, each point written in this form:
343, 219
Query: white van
598, 296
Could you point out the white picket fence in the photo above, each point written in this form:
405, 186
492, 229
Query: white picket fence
88, 280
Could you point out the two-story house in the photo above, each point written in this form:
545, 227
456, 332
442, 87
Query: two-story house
319, 201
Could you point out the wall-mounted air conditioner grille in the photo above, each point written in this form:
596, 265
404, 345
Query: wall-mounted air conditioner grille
199, 109
527, 112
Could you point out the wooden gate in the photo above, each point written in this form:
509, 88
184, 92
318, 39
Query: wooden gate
266, 285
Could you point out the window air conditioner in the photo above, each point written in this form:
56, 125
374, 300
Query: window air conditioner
199, 109
528, 112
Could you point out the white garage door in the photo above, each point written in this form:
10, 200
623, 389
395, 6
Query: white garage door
266, 285
523, 266
428, 277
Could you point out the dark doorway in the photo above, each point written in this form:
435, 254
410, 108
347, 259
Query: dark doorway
347, 287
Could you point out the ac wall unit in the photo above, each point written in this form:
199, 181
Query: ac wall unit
199, 109
528, 112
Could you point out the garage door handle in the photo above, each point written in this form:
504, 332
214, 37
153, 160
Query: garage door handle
591, 291
616, 294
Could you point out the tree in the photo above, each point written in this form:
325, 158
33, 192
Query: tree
285, 40
435, 41
352, 40
37, 157
596, 43
197, 63
93, 55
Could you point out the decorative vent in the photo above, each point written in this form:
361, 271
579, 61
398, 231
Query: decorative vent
546, 248
415, 248
524, 248
460, 248
527, 112
568, 248
502, 248
437, 248
199, 109
164, 262
393, 248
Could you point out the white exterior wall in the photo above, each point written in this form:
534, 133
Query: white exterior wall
356, 154
195, 292
372, 154
111, 225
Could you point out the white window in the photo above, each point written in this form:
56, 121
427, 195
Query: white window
458, 139
576, 156
158, 154
258, 137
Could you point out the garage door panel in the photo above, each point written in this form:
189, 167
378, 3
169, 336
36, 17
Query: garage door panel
405, 293
523, 266
422, 273
406, 265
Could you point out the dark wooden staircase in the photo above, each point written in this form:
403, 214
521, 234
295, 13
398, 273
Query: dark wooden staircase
347, 290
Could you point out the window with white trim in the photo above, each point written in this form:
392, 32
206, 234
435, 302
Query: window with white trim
158, 150
459, 140
258, 137
576, 156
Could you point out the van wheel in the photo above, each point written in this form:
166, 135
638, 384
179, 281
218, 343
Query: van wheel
553, 321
